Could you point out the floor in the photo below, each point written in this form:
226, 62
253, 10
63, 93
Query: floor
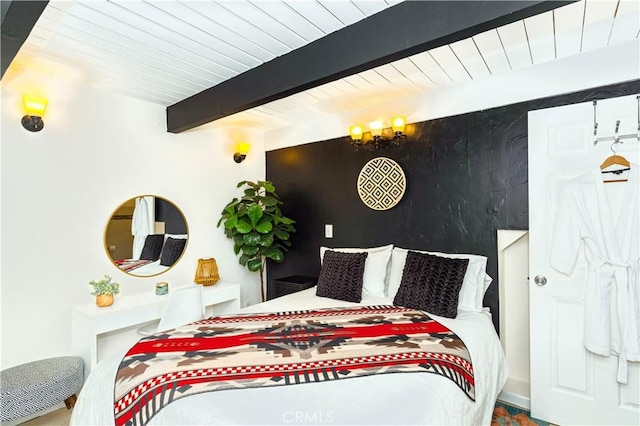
509, 415
59, 417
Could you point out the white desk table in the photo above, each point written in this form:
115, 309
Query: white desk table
89, 321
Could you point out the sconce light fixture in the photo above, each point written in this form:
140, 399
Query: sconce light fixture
397, 125
242, 151
35, 107
356, 132
376, 129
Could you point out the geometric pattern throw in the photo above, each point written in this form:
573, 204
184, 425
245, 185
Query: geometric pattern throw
284, 348
381, 183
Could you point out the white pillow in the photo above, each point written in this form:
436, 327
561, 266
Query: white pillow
176, 236
375, 267
474, 285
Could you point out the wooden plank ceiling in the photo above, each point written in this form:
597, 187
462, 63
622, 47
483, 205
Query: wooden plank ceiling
375, 41
166, 51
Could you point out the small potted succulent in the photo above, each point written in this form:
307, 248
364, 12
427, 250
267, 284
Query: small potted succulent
104, 290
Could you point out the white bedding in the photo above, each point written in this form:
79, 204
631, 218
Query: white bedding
153, 268
406, 399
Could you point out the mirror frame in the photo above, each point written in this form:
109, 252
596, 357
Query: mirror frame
106, 245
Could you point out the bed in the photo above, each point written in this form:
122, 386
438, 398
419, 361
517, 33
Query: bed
399, 398
141, 267
159, 253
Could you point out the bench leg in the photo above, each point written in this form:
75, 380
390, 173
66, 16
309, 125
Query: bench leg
71, 401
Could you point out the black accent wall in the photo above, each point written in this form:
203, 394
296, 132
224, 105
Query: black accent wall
173, 219
467, 177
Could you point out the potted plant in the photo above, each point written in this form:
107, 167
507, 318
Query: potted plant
104, 290
257, 226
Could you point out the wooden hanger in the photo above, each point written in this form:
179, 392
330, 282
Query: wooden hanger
615, 160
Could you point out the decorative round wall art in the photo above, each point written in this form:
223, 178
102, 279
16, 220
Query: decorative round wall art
381, 183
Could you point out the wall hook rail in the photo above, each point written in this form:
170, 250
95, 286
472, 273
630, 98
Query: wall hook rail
616, 138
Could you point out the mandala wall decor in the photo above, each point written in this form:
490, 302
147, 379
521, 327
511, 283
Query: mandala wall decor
381, 183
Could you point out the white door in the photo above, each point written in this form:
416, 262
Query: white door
570, 385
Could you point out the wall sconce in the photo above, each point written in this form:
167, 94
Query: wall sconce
35, 107
376, 128
241, 154
356, 132
397, 125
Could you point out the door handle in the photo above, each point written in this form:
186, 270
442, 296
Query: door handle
540, 280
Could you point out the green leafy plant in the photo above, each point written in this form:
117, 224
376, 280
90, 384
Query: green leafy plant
257, 226
104, 286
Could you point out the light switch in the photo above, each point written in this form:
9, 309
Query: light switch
328, 231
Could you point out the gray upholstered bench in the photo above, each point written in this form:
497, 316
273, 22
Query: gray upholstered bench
29, 388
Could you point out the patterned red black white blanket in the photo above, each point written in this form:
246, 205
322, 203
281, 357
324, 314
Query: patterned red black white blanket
131, 264
285, 348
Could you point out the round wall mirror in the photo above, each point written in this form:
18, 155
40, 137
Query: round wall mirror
146, 236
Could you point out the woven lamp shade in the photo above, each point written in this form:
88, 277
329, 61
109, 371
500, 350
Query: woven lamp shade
207, 272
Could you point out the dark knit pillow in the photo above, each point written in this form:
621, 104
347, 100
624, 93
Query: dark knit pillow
341, 276
152, 247
172, 250
431, 283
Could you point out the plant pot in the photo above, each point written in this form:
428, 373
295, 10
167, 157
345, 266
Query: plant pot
104, 300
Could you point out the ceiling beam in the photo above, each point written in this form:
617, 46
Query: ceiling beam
400, 31
18, 19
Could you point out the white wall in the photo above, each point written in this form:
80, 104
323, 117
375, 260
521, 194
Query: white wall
60, 186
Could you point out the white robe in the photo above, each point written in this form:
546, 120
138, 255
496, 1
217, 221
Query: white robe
142, 223
612, 247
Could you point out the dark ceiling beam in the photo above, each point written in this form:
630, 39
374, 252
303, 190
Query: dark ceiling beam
18, 19
403, 30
